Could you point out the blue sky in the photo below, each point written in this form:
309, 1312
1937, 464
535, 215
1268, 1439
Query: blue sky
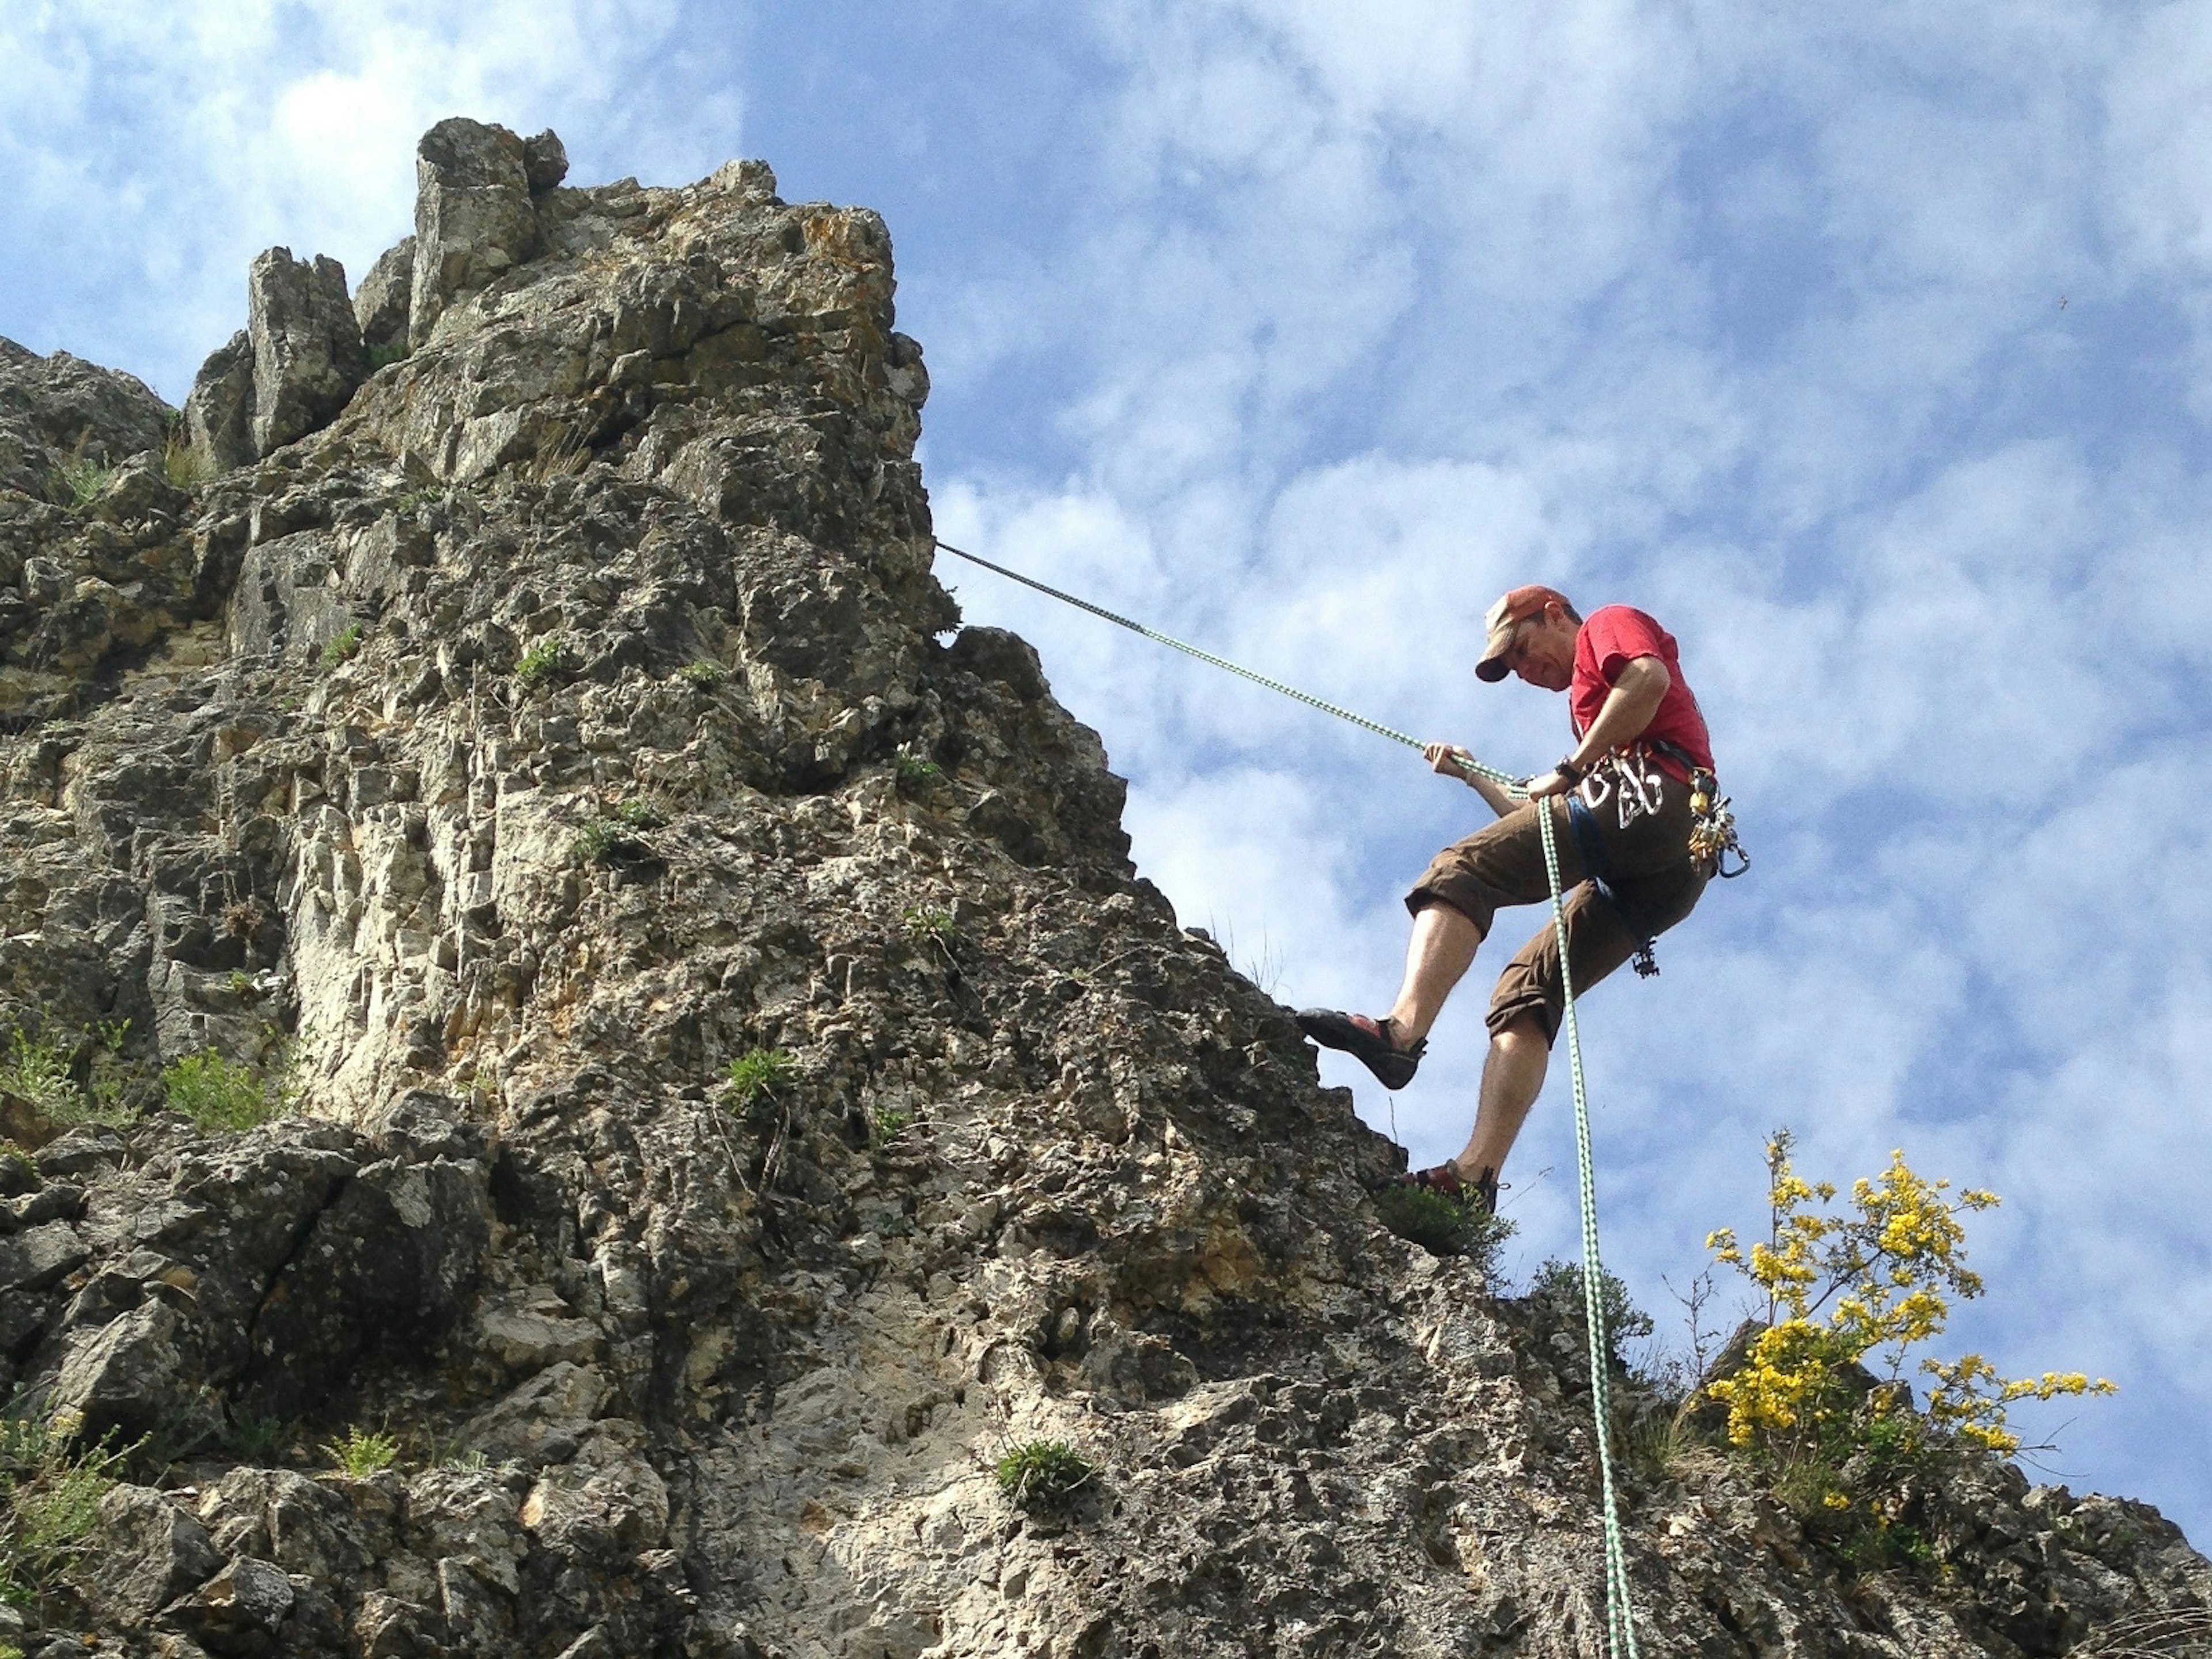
1302, 330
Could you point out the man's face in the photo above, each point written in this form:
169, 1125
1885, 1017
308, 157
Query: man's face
1543, 650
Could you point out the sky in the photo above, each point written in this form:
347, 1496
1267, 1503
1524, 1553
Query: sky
1868, 348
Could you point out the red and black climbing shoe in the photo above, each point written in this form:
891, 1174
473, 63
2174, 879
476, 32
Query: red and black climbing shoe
1480, 1195
1367, 1041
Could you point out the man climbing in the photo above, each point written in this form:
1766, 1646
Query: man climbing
1621, 802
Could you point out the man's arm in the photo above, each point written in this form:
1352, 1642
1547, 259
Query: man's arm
1445, 757
1628, 709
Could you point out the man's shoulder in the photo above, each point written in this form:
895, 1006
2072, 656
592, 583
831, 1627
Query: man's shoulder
1613, 621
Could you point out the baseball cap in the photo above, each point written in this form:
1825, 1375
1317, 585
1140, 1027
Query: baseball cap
1502, 618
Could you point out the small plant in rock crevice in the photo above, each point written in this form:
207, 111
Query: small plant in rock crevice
637, 814
51, 1485
383, 356
756, 1076
1557, 1287
914, 768
540, 660
703, 673
360, 1453
886, 1124
43, 1074
928, 924
186, 466
1443, 1225
39, 1072
81, 480
1044, 1475
343, 647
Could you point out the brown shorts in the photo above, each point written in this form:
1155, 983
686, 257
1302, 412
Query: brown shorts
1651, 874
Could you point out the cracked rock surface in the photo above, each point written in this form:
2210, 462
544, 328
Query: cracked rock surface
566, 711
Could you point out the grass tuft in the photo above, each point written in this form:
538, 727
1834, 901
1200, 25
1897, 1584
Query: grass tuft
343, 649
756, 1075
83, 481
42, 1075
185, 465
360, 1453
1044, 1475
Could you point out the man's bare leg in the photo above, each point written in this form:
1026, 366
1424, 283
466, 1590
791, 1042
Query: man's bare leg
1436, 957
1512, 1077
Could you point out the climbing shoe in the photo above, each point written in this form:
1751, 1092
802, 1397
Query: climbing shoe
1367, 1041
1480, 1195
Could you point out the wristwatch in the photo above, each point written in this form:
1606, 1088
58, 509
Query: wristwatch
1572, 773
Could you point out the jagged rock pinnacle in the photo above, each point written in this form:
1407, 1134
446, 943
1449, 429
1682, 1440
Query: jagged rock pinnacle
729, 1084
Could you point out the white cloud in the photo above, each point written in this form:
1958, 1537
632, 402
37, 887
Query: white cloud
1729, 316
202, 134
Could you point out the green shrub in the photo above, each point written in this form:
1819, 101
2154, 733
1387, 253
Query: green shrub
383, 356
637, 814
218, 1094
703, 673
599, 840
1044, 1475
50, 1489
927, 924
360, 1453
343, 647
1443, 1225
541, 660
756, 1075
886, 1126
913, 767
1559, 1285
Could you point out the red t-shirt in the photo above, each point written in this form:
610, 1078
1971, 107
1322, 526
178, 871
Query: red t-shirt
1610, 638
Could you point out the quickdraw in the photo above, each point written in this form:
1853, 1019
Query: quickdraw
1712, 828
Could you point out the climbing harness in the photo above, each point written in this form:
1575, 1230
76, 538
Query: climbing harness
1621, 1616
1635, 793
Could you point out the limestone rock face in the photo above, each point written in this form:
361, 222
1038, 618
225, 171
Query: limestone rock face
574, 714
380, 304
307, 354
59, 409
219, 410
473, 215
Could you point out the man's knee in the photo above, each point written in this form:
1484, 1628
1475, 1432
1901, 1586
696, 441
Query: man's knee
1523, 1031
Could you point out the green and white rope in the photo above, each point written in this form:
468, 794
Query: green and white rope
1476, 766
1621, 1616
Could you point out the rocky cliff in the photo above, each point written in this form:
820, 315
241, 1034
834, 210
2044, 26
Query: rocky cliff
729, 1086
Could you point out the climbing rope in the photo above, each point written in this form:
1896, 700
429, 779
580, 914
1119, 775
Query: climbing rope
1476, 766
1621, 1616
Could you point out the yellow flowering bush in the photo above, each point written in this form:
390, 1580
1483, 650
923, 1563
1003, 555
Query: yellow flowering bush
1864, 1284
